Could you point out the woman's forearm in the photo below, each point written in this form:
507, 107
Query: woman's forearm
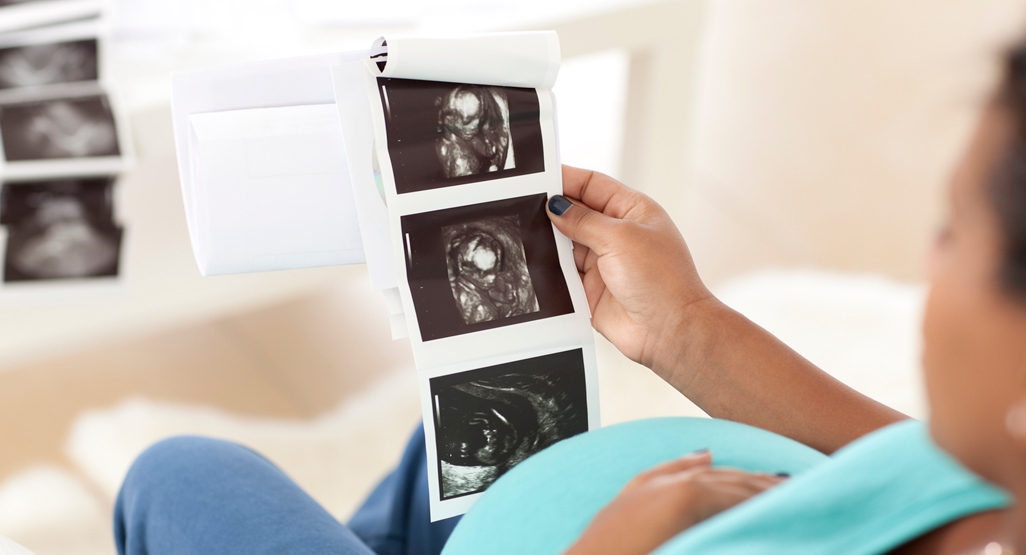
735, 370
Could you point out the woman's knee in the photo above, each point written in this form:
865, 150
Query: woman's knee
171, 460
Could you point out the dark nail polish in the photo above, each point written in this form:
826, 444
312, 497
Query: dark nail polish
782, 475
700, 451
558, 204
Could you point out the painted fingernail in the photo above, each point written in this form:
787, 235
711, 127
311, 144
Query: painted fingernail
782, 475
558, 204
701, 452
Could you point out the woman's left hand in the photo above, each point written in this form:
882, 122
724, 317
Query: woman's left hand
666, 500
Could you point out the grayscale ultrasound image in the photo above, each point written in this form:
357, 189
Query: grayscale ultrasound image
46, 64
442, 134
62, 128
489, 420
487, 270
483, 266
473, 127
60, 230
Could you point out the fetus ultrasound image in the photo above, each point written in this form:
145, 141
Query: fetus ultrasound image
487, 270
483, 266
60, 230
45, 64
62, 128
488, 420
441, 134
474, 137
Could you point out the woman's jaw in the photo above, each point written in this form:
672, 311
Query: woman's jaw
974, 330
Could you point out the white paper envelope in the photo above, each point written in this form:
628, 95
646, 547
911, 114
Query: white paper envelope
275, 190
238, 111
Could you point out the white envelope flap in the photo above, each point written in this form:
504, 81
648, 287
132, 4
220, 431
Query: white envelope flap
272, 190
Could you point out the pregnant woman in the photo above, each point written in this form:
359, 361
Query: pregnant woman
194, 495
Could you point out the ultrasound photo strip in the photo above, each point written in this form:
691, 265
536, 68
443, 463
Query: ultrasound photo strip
72, 133
480, 269
59, 230
34, 65
59, 128
488, 287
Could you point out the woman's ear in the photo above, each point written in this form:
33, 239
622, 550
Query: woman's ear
1015, 422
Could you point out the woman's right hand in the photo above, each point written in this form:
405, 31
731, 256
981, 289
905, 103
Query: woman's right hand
666, 500
638, 274
647, 299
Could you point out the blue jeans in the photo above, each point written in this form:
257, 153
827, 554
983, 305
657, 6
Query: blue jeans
199, 495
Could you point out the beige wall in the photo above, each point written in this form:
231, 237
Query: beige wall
825, 131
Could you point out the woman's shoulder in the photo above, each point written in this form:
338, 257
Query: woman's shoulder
965, 536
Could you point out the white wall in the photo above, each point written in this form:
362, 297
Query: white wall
826, 131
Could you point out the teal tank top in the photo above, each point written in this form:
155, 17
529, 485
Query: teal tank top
875, 494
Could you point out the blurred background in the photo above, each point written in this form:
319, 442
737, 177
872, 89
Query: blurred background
803, 148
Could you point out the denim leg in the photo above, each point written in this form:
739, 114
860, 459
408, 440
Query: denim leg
394, 520
189, 495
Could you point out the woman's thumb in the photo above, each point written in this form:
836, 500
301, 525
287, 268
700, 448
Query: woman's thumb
582, 224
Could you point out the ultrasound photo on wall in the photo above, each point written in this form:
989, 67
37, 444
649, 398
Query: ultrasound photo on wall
60, 128
483, 266
46, 64
488, 420
442, 134
60, 229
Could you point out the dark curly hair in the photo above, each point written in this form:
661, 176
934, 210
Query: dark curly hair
1008, 180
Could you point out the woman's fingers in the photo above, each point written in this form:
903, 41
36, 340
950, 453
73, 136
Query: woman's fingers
698, 469
599, 191
739, 478
580, 253
697, 459
580, 223
672, 469
588, 186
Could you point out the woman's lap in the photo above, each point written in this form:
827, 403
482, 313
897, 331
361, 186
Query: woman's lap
201, 495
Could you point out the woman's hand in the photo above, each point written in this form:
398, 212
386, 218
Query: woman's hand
662, 502
637, 271
647, 299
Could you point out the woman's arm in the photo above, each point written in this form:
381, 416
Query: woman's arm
647, 299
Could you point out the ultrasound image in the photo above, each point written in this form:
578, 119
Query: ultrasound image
45, 64
489, 420
487, 270
483, 266
62, 128
60, 230
441, 134
473, 124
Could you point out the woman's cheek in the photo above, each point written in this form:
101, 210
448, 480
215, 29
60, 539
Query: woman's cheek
946, 375
963, 369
